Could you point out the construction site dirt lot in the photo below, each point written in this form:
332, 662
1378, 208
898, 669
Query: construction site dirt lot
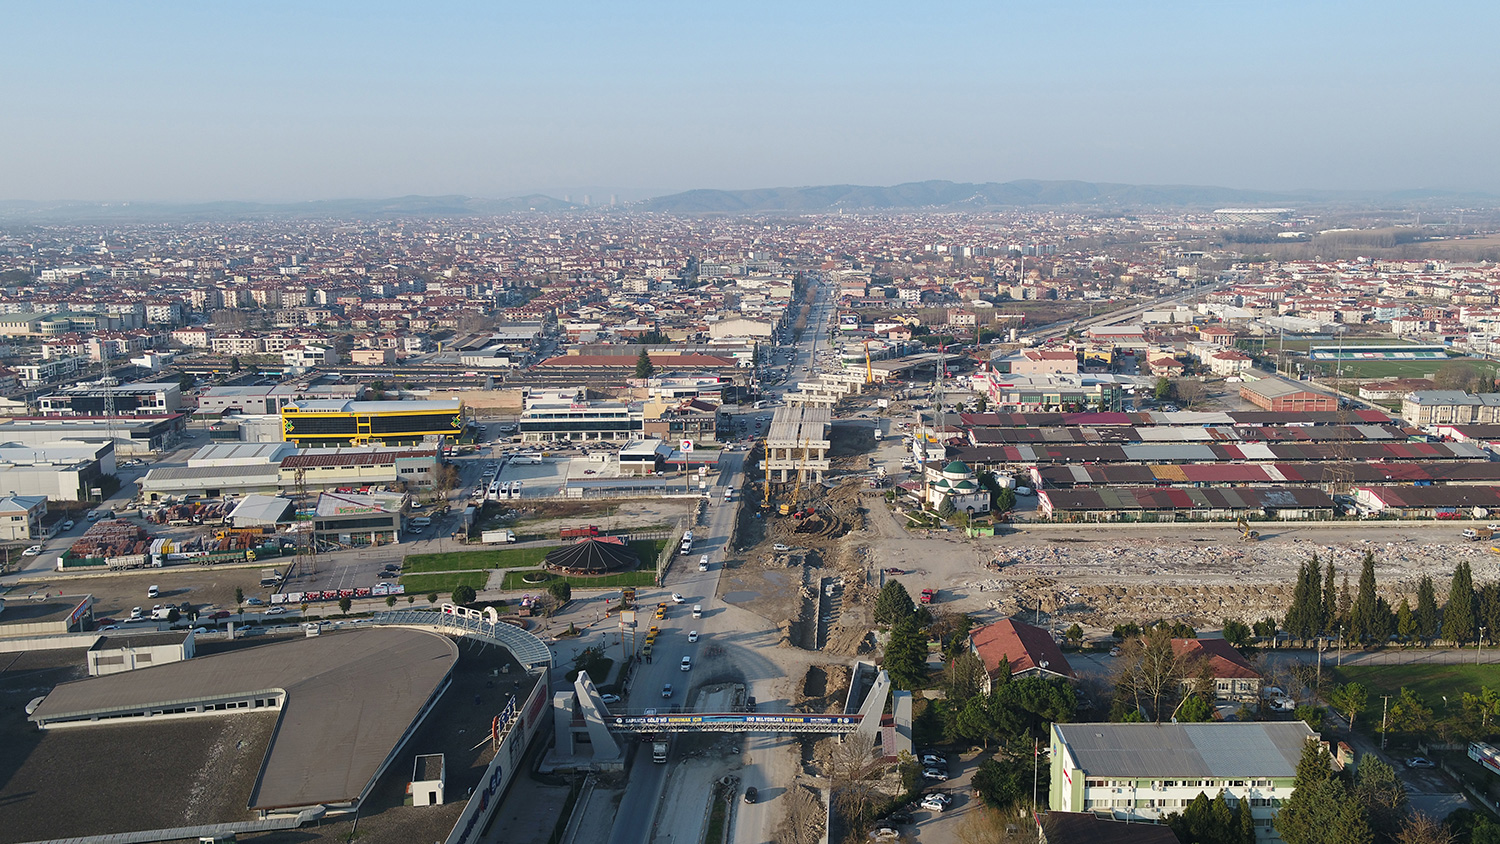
1097, 575
1202, 574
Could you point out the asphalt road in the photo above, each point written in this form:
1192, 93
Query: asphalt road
638, 810
633, 824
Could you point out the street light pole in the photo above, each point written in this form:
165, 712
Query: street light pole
1384, 709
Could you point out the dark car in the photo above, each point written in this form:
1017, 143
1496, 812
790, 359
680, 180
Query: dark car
751, 795
897, 818
222, 614
750, 703
387, 574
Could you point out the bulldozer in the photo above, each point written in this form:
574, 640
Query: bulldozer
1245, 532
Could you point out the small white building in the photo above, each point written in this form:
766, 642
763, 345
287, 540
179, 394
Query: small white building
21, 517
120, 651
428, 774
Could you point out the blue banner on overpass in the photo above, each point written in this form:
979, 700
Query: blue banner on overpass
735, 721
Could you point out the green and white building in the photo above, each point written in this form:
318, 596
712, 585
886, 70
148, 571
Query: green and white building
1148, 771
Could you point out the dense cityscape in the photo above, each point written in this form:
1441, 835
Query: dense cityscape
704, 423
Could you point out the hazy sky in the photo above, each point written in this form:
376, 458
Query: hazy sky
310, 100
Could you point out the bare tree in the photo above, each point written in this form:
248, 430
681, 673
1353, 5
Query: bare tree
854, 772
1190, 392
1150, 671
1422, 829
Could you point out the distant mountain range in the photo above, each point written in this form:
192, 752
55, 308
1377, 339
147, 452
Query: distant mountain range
941, 195
931, 195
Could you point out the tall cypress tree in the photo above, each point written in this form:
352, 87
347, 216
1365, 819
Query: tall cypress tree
1458, 616
1330, 600
1363, 623
1346, 604
1406, 622
1489, 610
1427, 611
1303, 615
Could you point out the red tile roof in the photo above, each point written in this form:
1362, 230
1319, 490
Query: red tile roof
1024, 646
1226, 662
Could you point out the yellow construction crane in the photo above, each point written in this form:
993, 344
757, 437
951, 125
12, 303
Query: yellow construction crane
765, 469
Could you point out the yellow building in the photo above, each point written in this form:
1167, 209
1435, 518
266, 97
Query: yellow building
331, 423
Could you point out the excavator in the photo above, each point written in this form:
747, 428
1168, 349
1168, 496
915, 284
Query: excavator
1245, 532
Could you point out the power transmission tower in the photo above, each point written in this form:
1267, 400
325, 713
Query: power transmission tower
307, 552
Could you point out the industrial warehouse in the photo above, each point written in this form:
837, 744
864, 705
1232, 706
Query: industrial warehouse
1174, 466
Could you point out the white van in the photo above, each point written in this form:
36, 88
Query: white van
703, 563
153, 592
697, 610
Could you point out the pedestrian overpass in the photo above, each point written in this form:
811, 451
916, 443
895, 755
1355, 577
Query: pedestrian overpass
736, 722
580, 716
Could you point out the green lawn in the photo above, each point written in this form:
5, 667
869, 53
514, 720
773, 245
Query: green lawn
646, 577
506, 558
1398, 368
649, 550
443, 584
1428, 680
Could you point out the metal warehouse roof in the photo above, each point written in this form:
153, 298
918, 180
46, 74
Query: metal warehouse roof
334, 732
1224, 750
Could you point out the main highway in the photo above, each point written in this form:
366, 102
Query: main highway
647, 781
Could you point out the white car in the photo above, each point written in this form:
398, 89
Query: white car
935, 774
275, 611
678, 599
68, 525
692, 635
780, 547
609, 699
32, 551
687, 663
934, 805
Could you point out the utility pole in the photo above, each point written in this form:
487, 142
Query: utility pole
1480, 656
1384, 709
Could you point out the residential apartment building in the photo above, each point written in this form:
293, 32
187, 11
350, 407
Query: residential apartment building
1147, 771
1450, 407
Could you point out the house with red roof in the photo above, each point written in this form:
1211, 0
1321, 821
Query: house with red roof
1234, 677
1028, 651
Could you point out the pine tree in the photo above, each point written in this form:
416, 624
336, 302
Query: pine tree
1458, 615
1364, 624
1300, 621
1406, 622
1330, 600
1321, 809
1427, 611
893, 604
1489, 610
644, 368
